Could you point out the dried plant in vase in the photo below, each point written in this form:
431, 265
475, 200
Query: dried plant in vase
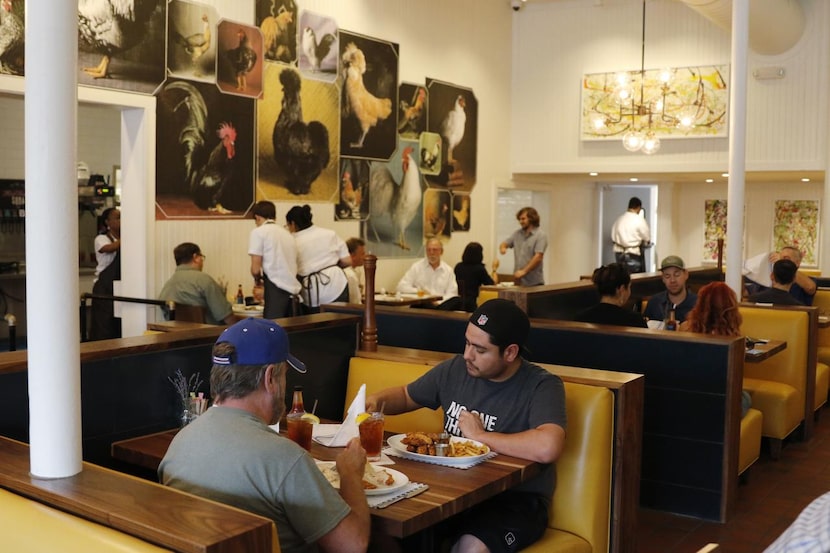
186, 388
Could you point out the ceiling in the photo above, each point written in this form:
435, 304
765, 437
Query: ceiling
752, 177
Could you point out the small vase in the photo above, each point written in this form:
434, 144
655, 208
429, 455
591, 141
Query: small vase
187, 417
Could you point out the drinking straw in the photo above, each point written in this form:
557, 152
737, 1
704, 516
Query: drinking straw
313, 409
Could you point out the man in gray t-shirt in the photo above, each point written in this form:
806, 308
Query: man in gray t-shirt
492, 395
529, 244
230, 455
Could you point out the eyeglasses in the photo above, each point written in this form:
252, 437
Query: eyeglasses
203, 256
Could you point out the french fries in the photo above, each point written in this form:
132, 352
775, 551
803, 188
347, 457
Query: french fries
424, 443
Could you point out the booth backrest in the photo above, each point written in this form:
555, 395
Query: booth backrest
583, 498
822, 301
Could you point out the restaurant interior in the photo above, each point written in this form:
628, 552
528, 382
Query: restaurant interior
523, 61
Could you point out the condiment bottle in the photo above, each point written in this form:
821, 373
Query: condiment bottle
297, 405
671, 324
240, 295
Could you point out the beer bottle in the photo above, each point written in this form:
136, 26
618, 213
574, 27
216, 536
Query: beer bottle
671, 324
240, 296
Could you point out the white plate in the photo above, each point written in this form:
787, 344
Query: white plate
250, 310
401, 479
395, 443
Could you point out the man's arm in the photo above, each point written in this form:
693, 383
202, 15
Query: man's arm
256, 267
534, 262
394, 400
543, 444
352, 533
407, 283
807, 284
503, 248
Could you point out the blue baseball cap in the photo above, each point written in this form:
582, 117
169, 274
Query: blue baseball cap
257, 342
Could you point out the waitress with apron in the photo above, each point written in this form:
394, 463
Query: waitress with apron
104, 325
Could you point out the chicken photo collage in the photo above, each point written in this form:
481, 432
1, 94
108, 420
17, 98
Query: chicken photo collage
292, 108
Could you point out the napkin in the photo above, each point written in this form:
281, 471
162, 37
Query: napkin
410, 490
348, 429
758, 269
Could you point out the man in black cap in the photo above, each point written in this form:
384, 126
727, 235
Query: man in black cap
230, 455
677, 297
492, 395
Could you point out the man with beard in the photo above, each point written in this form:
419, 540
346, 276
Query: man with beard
230, 455
492, 395
676, 297
529, 244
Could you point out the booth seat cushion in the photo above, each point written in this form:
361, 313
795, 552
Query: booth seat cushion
823, 352
750, 446
780, 403
380, 374
560, 542
822, 384
31, 526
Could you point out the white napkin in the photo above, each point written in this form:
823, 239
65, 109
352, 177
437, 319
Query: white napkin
758, 269
348, 429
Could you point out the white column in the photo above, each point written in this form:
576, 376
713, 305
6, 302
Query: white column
737, 145
52, 238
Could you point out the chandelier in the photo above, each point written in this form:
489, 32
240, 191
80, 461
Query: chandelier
640, 105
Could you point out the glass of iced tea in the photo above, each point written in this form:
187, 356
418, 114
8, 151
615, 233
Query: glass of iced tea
299, 430
371, 435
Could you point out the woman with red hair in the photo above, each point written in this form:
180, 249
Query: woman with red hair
716, 312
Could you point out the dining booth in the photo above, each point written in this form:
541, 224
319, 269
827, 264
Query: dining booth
692, 415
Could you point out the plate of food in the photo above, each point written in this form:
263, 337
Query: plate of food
249, 310
421, 445
377, 480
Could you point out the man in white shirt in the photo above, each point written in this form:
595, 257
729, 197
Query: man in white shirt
354, 273
431, 275
273, 262
630, 234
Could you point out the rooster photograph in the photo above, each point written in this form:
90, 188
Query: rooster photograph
278, 21
452, 113
121, 44
460, 212
191, 41
369, 76
297, 126
437, 214
395, 193
12, 34
204, 155
430, 144
240, 57
412, 110
354, 187
318, 46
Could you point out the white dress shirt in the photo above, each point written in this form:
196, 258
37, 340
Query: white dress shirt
439, 281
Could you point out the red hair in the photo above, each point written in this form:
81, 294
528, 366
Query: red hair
716, 311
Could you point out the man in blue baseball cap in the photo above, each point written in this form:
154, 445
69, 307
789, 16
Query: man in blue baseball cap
231, 455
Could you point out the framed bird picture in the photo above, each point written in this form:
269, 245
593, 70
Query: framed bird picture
318, 46
239, 62
452, 113
191, 41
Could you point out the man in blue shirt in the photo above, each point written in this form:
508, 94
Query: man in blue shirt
677, 296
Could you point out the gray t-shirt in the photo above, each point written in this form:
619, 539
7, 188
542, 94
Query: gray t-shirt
230, 456
528, 399
524, 248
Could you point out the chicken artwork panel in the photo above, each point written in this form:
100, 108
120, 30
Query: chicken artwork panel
460, 212
354, 190
429, 157
394, 220
204, 152
191, 40
239, 63
318, 46
278, 21
121, 44
369, 84
297, 137
452, 113
437, 216
412, 110
12, 36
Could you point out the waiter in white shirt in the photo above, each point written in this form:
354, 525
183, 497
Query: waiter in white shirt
630, 234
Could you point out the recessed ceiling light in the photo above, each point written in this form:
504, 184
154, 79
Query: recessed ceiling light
725, 175
805, 179
710, 180
593, 173
633, 179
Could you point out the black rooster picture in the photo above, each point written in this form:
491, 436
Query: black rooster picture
204, 152
297, 127
239, 67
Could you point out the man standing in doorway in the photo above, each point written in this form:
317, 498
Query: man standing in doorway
273, 262
630, 234
529, 245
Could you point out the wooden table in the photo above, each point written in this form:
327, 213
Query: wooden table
763, 351
405, 299
451, 490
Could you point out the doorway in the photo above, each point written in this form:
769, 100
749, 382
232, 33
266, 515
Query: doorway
613, 201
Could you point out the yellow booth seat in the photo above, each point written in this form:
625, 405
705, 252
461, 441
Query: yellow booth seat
580, 518
750, 445
782, 385
822, 301
30, 526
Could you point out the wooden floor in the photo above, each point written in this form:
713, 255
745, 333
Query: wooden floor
775, 493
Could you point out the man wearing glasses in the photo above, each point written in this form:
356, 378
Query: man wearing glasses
190, 286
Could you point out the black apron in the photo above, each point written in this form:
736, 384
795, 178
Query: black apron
104, 324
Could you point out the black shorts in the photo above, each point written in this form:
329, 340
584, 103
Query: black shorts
506, 523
